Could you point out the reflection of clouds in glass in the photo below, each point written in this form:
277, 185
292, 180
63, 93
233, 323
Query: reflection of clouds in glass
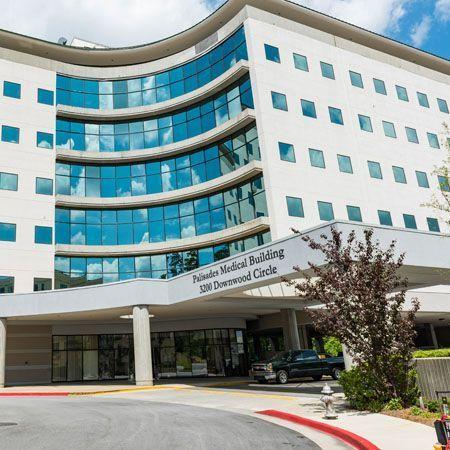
123, 192
68, 144
158, 262
188, 231
138, 187
78, 239
77, 189
94, 268
195, 177
43, 143
167, 178
110, 265
92, 143
142, 263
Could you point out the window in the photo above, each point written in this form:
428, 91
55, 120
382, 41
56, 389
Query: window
385, 217
365, 123
45, 97
279, 101
325, 211
272, 53
423, 100
308, 108
8, 181
11, 89
42, 284
295, 206
286, 152
43, 235
6, 285
433, 224
410, 221
433, 140
300, 62
354, 213
422, 179
8, 232
411, 135
44, 186
402, 93
442, 105
399, 174
316, 158
443, 183
327, 70
345, 163
10, 134
44, 140
356, 79
389, 129
380, 87
374, 169
336, 115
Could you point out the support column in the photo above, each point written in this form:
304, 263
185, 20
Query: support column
2, 351
303, 334
142, 346
348, 359
291, 331
433, 336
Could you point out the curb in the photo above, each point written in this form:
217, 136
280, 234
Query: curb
352, 439
35, 394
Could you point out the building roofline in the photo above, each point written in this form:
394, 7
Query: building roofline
188, 38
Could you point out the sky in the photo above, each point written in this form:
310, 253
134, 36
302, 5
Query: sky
116, 23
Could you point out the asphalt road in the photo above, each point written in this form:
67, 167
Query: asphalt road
105, 423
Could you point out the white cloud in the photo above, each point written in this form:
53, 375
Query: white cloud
442, 10
420, 30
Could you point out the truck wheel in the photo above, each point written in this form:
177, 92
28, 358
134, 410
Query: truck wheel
317, 377
282, 377
336, 373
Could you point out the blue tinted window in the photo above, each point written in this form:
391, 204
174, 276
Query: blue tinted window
423, 100
385, 218
8, 181
327, 70
399, 174
433, 224
44, 140
354, 213
336, 115
44, 186
279, 101
43, 235
8, 232
11, 89
374, 169
422, 179
6, 285
365, 123
411, 135
443, 183
410, 221
295, 207
389, 129
300, 62
286, 152
433, 140
308, 108
325, 211
380, 87
402, 93
442, 105
356, 79
10, 134
45, 97
345, 163
272, 53
316, 158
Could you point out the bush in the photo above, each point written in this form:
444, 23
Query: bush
433, 406
437, 353
332, 346
393, 404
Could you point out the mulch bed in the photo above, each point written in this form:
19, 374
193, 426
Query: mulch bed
406, 414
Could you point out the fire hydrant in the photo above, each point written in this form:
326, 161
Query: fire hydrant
327, 399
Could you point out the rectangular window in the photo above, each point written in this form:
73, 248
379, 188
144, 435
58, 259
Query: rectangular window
365, 123
8, 232
402, 93
44, 186
300, 62
433, 224
399, 174
286, 152
380, 87
410, 221
11, 89
433, 140
443, 183
316, 158
335, 115
10, 134
6, 285
272, 53
422, 179
354, 213
44, 140
374, 169
423, 100
389, 129
345, 164
308, 109
385, 217
42, 284
295, 206
8, 181
442, 105
411, 135
327, 70
356, 79
325, 211
45, 97
43, 235
279, 101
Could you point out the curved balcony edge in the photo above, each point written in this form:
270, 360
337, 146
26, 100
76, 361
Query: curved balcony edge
231, 126
213, 87
255, 226
244, 173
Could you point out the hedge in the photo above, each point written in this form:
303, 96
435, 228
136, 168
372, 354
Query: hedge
436, 353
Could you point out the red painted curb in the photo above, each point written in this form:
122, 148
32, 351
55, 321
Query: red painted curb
34, 394
357, 442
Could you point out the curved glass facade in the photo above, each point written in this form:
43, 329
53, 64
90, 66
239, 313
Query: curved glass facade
162, 130
78, 271
155, 88
162, 223
125, 180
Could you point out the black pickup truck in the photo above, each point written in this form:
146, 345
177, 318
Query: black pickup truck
297, 364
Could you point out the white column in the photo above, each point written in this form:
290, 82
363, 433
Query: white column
142, 346
292, 330
348, 359
2, 351
433, 336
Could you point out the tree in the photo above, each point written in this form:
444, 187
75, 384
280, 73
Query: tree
363, 296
